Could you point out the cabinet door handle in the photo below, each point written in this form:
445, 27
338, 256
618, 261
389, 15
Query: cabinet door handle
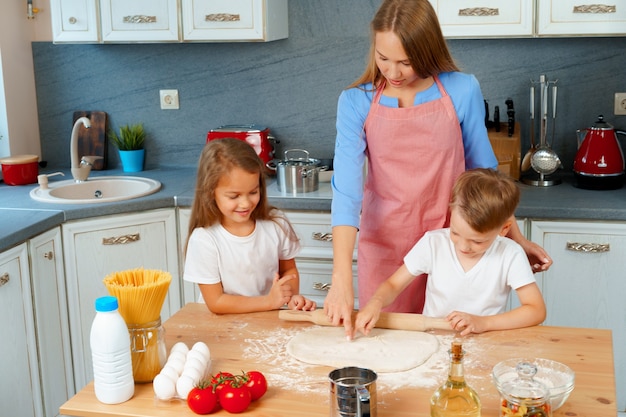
4, 279
222, 17
322, 286
588, 247
120, 240
48, 255
324, 237
479, 11
595, 8
139, 19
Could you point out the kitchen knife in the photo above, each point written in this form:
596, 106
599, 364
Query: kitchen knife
398, 321
510, 111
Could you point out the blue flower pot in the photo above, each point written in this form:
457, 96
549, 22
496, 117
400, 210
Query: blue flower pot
132, 161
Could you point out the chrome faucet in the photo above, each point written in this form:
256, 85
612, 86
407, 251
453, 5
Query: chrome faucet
80, 168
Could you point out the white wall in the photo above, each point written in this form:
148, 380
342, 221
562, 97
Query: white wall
19, 125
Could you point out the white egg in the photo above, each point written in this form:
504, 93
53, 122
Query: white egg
184, 385
164, 388
176, 363
179, 347
193, 373
169, 371
202, 348
194, 354
197, 364
179, 355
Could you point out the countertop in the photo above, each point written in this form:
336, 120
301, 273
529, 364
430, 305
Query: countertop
257, 341
22, 218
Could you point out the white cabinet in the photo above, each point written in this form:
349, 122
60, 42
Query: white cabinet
139, 20
97, 247
234, 20
122, 21
485, 18
74, 20
585, 286
191, 292
20, 393
51, 320
315, 261
576, 17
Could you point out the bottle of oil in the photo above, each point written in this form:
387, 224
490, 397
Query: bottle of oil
455, 397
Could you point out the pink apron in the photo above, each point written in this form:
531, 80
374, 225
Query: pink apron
414, 156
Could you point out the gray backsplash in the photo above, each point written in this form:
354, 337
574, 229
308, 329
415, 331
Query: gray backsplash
292, 85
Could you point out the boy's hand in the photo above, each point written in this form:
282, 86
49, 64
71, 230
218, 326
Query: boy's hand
366, 318
299, 302
281, 292
465, 323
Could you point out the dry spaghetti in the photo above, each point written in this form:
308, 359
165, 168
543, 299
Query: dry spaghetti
140, 294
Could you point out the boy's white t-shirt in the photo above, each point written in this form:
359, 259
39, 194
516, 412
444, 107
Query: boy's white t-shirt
244, 265
483, 290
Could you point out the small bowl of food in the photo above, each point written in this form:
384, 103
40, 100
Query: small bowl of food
558, 378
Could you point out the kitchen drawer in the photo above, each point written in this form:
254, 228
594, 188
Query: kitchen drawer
315, 279
315, 233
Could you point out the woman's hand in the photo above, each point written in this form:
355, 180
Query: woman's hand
299, 302
338, 306
281, 291
539, 259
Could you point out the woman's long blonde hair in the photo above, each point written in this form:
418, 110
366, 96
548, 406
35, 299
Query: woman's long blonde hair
218, 158
416, 25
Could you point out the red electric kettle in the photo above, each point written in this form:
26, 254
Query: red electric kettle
599, 162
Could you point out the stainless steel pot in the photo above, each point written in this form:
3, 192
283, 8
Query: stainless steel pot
297, 175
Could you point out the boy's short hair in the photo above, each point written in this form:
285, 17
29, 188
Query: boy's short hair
485, 198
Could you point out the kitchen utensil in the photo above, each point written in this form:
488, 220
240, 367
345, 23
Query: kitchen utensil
297, 175
93, 141
599, 161
20, 169
558, 378
523, 395
353, 392
526, 160
256, 136
398, 321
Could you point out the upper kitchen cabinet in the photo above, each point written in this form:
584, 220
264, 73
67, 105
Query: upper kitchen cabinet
234, 20
121, 21
485, 18
576, 17
139, 20
74, 21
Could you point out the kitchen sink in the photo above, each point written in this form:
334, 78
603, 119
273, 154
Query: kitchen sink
96, 190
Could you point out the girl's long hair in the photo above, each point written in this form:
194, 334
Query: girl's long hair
218, 158
416, 25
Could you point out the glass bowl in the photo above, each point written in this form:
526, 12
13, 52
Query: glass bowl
557, 377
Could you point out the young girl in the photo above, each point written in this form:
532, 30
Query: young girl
240, 250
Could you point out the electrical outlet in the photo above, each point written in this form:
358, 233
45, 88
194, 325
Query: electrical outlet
169, 99
620, 104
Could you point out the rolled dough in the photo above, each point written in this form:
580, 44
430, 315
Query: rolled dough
384, 350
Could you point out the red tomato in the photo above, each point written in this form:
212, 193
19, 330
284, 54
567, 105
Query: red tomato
256, 383
202, 399
221, 379
234, 398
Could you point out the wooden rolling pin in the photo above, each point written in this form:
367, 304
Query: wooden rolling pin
398, 321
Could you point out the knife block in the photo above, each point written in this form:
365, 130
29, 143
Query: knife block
507, 149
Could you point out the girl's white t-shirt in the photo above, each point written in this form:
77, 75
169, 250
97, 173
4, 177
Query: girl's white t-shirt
483, 290
244, 265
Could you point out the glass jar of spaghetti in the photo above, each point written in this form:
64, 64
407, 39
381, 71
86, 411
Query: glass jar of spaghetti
148, 351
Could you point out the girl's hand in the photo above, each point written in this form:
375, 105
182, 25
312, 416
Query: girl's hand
299, 302
281, 292
465, 323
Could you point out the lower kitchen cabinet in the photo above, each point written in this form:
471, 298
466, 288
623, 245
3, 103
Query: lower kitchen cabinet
586, 284
20, 392
100, 246
51, 320
315, 261
191, 292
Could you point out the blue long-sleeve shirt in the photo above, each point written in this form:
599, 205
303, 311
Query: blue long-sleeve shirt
352, 109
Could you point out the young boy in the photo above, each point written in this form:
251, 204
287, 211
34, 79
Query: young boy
471, 266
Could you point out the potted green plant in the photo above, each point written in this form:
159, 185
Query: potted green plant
130, 143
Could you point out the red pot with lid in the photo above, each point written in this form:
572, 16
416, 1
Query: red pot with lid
256, 136
599, 161
20, 169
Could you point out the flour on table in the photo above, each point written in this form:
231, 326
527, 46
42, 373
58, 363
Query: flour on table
383, 350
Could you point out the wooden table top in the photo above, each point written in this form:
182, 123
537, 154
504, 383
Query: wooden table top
257, 342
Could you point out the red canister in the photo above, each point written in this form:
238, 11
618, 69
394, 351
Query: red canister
256, 136
20, 169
